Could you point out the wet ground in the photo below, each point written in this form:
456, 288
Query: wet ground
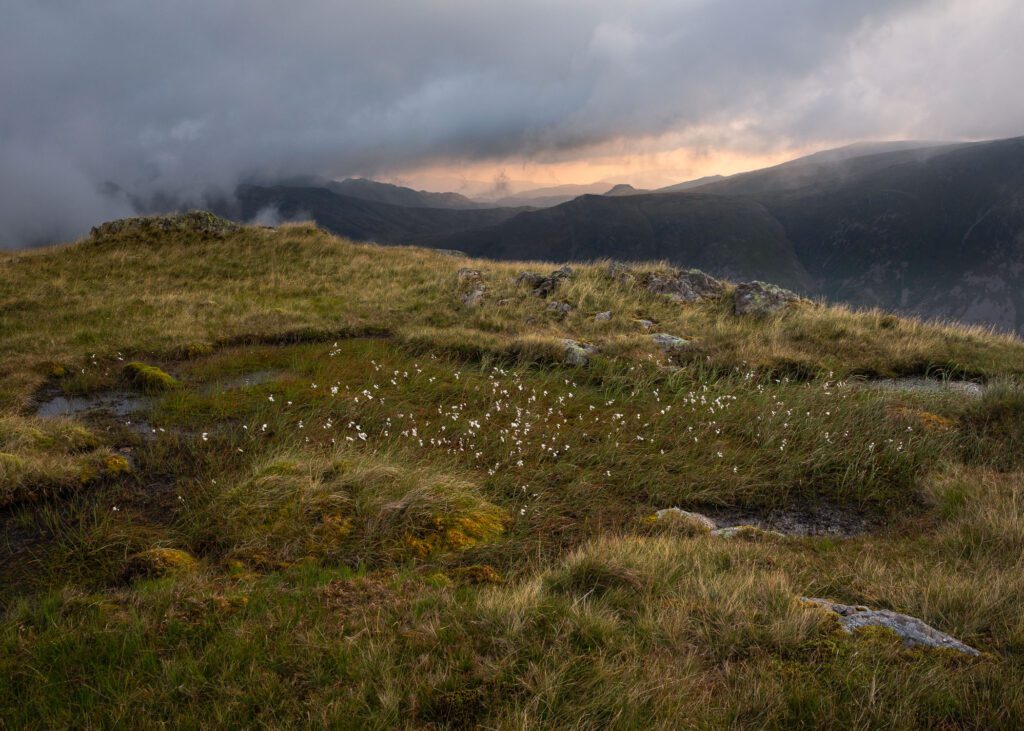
121, 407
819, 520
920, 384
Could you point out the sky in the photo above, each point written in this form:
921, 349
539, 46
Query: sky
106, 102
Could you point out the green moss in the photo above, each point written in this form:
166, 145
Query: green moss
160, 562
149, 378
102, 467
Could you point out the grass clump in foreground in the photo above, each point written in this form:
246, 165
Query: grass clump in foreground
438, 523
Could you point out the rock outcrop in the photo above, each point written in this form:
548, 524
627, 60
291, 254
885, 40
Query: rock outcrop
679, 285
911, 630
576, 353
685, 520
542, 285
470, 286
203, 223
760, 299
670, 343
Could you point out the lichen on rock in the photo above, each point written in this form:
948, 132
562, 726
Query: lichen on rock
760, 299
911, 630
203, 223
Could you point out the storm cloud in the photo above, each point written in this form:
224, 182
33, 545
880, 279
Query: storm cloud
111, 101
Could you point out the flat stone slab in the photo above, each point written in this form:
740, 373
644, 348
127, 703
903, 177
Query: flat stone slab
665, 341
911, 630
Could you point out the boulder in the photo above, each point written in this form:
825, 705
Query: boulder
760, 299
543, 286
619, 272
670, 343
686, 286
911, 630
576, 353
471, 286
700, 522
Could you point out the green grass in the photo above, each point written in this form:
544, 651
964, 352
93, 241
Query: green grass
362, 504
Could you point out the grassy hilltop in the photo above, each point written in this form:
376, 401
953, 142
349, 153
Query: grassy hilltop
307, 482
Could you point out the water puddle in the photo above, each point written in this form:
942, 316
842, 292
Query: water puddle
119, 406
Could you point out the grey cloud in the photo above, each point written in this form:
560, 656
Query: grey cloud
186, 99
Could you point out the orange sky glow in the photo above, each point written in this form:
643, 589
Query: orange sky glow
615, 163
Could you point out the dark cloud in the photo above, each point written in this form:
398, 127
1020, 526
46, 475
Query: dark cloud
185, 99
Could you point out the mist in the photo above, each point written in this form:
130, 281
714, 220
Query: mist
112, 106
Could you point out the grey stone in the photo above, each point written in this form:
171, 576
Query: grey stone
577, 354
670, 514
202, 223
911, 630
471, 286
646, 324
760, 298
746, 531
618, 272
603, 316
562, 308
543, 286
670, 342
683, 286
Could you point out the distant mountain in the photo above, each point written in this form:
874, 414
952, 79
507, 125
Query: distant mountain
358, 218
625, 189
934, 230
828, 167
690, 184
551, 196
371, 190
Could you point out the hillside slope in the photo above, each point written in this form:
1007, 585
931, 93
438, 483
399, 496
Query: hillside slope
359, 218
934, 231
272, 477
731, 238
397, 195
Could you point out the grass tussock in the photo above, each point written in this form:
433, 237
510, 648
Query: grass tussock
41, 458
348, 507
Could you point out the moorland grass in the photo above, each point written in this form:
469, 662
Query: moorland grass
419, 516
